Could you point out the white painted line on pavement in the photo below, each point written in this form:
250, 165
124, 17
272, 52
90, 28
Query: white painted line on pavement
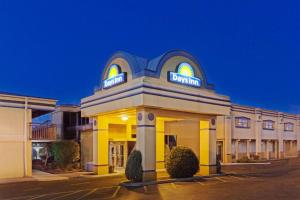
116, 192
199, 182
220, 179
87, 194
65, 195
37, 197
237, 178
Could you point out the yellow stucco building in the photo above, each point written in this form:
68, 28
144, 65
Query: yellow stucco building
153, 105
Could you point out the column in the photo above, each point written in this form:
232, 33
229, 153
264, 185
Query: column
276, 149
291, 148
160, 144
228, 139
248, 148
280, 131
297, 131
258, 129
146, 142
100, 145
237, 150
268, 150
208, 142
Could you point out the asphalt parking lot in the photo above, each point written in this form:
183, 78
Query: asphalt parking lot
280, 180
83, 189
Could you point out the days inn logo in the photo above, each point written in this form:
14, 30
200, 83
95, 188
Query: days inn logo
184, 75
114, 77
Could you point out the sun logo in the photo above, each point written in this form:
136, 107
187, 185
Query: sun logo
113, 71
185, 69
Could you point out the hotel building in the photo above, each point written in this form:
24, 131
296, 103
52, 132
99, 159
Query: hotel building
16, 114
153, 105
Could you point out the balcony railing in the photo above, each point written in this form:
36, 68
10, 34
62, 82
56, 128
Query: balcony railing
45, 131
86, 127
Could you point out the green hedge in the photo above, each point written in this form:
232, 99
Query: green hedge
134, 169
65, 153
182, 163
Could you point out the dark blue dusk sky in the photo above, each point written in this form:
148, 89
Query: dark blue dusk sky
248, 49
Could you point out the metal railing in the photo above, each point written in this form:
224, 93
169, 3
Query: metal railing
44, 131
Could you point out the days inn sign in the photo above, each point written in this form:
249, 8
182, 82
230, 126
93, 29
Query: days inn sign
184, 75
114, 77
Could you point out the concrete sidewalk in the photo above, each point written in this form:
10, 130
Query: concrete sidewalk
36, 176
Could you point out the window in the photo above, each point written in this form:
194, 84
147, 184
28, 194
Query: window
289, 126
170, 141
268, 124
242, 122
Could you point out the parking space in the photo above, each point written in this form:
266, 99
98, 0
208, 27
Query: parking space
95, 193
84, 190
280, 181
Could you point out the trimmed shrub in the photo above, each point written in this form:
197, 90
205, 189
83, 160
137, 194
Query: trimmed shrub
65, 153
256, 157
134, 169
244, 159
182, 163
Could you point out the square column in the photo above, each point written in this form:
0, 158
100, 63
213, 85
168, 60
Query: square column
297, 131
258, 130
100, 145
248, 148
268, 150
146, 142
291, 147
228, 139
237, 150
276, 149
208, 143
160, 144
280, 131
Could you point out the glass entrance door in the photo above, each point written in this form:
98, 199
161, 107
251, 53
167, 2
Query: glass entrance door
116, 156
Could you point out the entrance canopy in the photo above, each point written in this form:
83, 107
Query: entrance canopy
153, 105
172, 81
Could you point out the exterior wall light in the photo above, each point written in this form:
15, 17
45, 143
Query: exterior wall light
124, 118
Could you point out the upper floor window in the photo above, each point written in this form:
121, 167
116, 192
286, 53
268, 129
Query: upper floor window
269, 125
289, 126
242, 122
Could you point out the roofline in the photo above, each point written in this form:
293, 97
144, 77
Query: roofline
264, 109
21, 95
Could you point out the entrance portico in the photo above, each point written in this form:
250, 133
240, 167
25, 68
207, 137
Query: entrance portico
155, 111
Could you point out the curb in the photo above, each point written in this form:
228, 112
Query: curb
129, 184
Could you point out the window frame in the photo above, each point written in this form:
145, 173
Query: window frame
289, 130
268, 128
238, 125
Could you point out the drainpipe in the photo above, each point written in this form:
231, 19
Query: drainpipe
25, 135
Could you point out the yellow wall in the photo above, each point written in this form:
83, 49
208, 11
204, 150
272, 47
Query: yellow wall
160, 144
101, 156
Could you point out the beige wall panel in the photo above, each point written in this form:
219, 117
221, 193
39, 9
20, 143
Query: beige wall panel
182, 105
11, 121
11, 162
187, 133
220, 128
86, 148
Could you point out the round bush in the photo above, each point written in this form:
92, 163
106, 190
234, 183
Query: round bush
134, 169
182, 163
